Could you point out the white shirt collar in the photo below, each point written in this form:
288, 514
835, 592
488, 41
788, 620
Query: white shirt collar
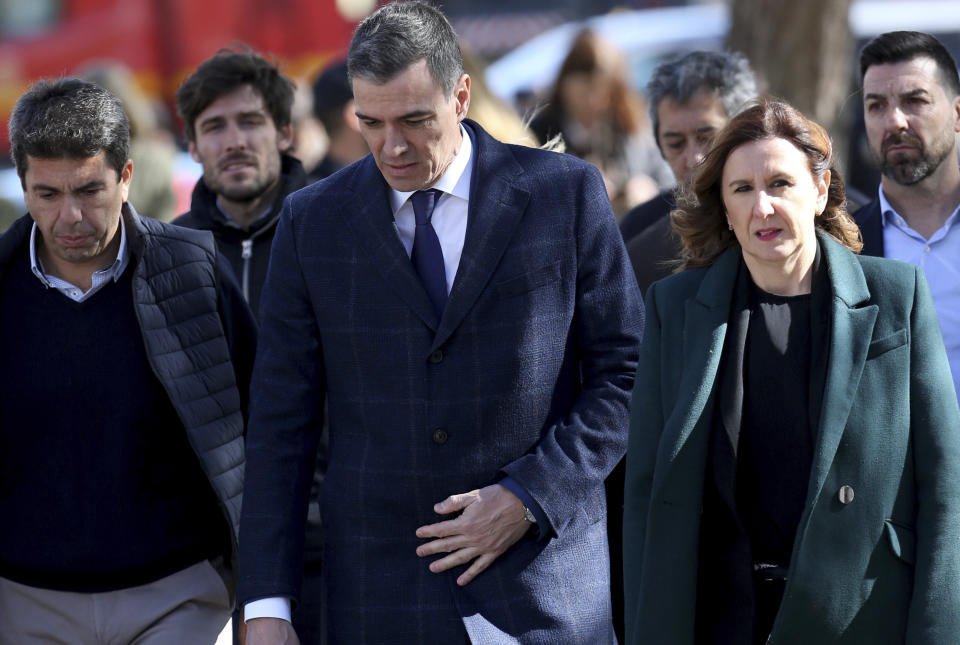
455, 180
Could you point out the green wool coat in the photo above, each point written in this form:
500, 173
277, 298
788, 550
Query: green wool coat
882, 568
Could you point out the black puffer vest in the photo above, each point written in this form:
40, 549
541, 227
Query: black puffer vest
175, 299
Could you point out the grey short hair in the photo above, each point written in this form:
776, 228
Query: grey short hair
727, 73
400, 34
68, 118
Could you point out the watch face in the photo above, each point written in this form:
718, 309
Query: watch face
529, 516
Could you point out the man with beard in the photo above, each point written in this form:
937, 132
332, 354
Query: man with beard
236, 111
911, 102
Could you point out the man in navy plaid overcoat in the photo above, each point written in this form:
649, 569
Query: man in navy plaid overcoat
477, 396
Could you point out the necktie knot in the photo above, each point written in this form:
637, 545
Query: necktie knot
423, 203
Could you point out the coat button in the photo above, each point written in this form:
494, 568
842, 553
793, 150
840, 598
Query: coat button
436, 356
845, 494
440, 436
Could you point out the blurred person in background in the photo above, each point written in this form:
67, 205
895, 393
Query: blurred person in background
8, 214
236, 109
152, 147
310, 140
602, 121
499, 120
333, 106
125, 375
691, 98
793, 469
911, 107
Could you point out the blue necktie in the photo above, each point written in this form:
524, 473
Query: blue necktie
427, 256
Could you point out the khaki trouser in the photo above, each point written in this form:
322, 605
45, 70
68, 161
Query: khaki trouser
189, 607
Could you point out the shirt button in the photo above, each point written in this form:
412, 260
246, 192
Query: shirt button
845, 494
440, 436
926, 249
436, 356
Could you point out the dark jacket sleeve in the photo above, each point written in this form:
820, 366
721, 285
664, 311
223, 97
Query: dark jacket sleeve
935, 421
576, 453
646, 427
287, 395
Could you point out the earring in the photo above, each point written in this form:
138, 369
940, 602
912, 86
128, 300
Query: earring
729, 226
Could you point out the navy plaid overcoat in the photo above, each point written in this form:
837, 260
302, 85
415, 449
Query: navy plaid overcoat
528, 373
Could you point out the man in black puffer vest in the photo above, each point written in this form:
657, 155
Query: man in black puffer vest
125, 377
236, 110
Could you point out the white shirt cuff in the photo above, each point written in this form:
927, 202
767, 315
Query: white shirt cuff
276, 607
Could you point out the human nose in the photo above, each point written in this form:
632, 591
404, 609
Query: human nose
693, 156
234, 138
762, 206
70, 211
896, 119
394, 143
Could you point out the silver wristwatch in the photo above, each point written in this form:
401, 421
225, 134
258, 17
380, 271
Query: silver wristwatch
529, 516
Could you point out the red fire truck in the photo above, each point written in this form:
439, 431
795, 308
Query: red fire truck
161, 40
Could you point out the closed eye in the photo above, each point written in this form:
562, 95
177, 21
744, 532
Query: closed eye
675, 144
211, 126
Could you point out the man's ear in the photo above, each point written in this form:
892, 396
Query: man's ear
192, 149
461, 94
285, 137
350, 116
956, 114
126, 175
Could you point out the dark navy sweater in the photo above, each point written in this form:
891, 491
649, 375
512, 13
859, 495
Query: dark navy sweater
99, 487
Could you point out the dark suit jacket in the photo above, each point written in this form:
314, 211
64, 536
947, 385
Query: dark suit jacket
527, 374
884, 568
870, 220
645, 214
652, 245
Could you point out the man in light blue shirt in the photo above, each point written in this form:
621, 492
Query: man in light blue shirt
911, 99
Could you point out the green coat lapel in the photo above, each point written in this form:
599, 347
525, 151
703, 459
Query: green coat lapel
851, 329
704, 330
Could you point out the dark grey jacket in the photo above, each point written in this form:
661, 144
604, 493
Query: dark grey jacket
200, 340
246, 250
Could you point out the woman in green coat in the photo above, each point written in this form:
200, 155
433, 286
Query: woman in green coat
793, 470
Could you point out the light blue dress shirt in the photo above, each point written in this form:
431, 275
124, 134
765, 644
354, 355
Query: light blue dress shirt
940, 259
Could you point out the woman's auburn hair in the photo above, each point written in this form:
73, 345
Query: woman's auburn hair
699, 217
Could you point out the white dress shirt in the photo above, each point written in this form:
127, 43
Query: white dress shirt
940, 259
449, 217
449, 220
97, 280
